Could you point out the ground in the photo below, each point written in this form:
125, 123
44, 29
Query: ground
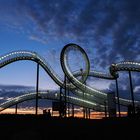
31, 127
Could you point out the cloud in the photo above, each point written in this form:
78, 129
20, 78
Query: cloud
38, 39
124, 85
108, 30
99, 84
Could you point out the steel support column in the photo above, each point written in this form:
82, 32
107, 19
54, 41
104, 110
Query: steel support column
84, 109
65, 99
61, 111
132, 93
118, 101
37, 85
105, 109
72, 110
88, 113
68, 105
16, 109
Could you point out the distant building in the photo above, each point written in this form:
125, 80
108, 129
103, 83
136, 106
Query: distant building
111, 104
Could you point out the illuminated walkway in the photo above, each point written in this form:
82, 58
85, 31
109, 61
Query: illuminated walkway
50, 95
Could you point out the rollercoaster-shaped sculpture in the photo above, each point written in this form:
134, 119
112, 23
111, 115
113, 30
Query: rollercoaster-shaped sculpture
93, 99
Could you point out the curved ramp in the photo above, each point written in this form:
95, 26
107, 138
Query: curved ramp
94, 96
51, 96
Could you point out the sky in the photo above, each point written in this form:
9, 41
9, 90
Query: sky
108, 30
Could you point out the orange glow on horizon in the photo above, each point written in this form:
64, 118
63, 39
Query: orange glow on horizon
79, 114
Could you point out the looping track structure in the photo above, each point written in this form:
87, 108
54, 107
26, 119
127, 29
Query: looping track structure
94, 99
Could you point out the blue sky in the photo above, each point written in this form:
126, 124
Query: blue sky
24, 72
108, 30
